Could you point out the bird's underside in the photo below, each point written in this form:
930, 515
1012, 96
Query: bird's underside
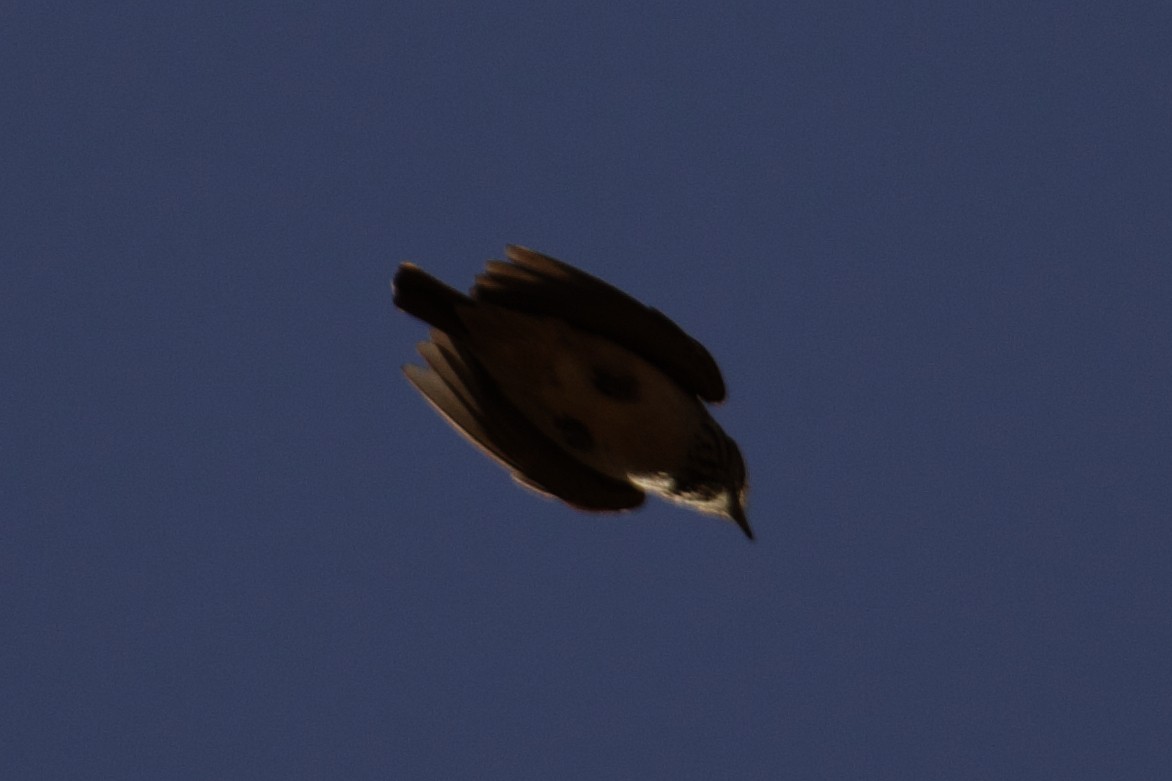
579, 390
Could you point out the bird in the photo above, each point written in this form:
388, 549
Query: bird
579, 390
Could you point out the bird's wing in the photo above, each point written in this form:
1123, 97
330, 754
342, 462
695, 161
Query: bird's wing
463, 393
541, 285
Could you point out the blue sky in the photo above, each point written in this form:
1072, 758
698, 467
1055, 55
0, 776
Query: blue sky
928, 244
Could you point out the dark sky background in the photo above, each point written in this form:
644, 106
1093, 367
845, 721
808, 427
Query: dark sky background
929, 244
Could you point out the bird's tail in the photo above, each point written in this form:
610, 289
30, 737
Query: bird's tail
421, 295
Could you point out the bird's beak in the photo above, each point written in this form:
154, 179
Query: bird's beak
736, 511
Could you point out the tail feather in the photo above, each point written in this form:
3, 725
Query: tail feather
423, 296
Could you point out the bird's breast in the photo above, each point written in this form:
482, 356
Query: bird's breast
603, 404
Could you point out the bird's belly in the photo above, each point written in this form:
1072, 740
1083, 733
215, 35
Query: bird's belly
609, 408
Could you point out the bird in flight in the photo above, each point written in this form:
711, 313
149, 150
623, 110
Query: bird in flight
580, 391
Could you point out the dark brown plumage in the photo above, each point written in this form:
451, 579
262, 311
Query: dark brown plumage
579, 390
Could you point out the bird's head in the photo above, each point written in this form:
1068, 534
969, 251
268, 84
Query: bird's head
712, 480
